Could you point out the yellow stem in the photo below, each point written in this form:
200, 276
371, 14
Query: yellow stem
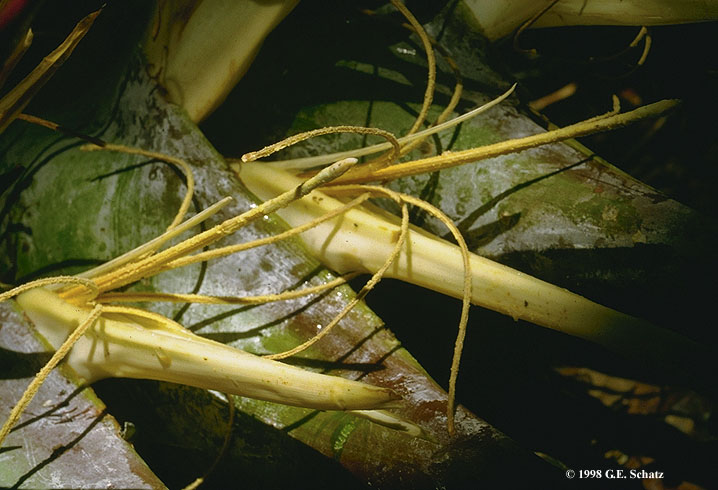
453, 159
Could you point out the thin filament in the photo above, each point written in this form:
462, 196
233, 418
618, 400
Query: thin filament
223, 450
49, 281
466, 298
455, 95
319, 160
431, 62
452, 159
376, 277
294, 139
231, 249
157, 242
149, 266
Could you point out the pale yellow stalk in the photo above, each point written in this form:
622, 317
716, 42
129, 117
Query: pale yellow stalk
120, 346
363, 237
496, 19
199, 49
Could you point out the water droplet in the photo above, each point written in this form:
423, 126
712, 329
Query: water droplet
319, 326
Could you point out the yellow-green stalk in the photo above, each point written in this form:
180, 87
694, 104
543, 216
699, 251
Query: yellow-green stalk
12, 103
119, 346
498, 19
104, 340
199, 49
363, 237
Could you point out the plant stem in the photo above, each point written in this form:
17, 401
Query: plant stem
114, 348
364, 236
453, 159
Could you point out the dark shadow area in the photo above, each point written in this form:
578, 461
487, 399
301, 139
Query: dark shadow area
18, 365
507, 377
670, 288
341, 33
261, 457
675, 155
226, 337
325, 366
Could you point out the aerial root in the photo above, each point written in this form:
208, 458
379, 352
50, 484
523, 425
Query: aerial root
320, 160
294, 139
431, 62
453, 159
231, 249
88, 289
87, 284
467, 289
154, 264
60, 354
149, 247
373, 281
431, 83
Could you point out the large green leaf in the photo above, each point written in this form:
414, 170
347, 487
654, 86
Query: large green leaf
66, 208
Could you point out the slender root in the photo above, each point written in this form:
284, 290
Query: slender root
223, 450
49, 281
231, 249
319, 160
153, 264
453, 102
360, 295
294, 139
60, 354
431, 62
452, 159
466, 297
156, 243
15, 56
59, 128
